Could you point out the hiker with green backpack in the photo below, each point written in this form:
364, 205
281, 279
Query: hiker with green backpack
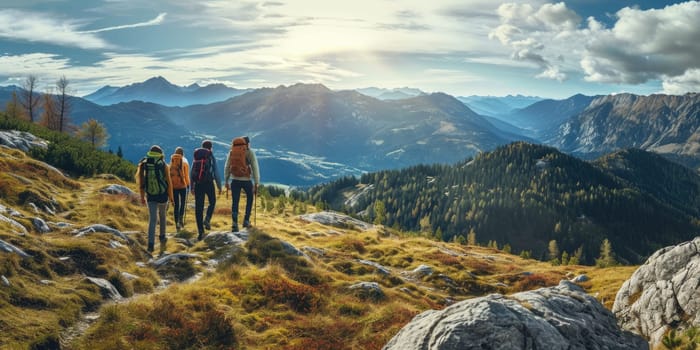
156, 189
242, 167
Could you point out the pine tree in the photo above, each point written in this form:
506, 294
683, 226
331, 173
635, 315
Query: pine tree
471, 237
606, 258
553, 252
565, 258
379, 213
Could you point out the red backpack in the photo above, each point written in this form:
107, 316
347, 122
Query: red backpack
237, 161
202, 166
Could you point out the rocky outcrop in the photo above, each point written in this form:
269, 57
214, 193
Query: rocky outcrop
100, 228
561, 317
336, 219
107, 289
664, 292
21, 140
9, 248
368, 291
117, 190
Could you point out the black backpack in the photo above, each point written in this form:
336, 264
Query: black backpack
154, 182
202, 167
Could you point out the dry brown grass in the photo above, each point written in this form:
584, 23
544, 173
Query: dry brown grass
273, 303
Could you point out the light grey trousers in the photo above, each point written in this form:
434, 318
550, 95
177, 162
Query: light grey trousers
159, 209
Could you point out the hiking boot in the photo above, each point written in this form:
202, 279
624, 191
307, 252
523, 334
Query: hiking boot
200, 236
234, 228
150, 247
207, 225
246, 223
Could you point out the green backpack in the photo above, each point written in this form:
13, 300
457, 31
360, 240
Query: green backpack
154, 181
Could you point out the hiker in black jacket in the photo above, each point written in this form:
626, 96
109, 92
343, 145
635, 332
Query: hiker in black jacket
203, 177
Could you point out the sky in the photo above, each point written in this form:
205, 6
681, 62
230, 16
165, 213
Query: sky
468, 47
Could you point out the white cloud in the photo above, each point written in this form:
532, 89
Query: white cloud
42, 27
688, 82
158, 20
642, 45
532, 33
34, 63
646, 45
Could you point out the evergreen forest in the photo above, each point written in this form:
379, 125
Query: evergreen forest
524, 196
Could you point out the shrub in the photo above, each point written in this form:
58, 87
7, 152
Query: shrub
71, 154
299, 297
533, 281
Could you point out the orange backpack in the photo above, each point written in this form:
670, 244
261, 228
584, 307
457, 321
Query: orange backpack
177, 177
237, 161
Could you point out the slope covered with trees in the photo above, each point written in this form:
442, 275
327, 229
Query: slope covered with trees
526, 195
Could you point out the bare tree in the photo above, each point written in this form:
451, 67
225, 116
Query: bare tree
94, 132
13, 108
49, 117
63, 103
29, 101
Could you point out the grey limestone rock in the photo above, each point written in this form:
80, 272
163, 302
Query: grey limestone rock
100, 228
40, 225
108, 290
16, 225
117, 189
21, 140
336, 219
563, 317
664, 291
9, 248
383, 270
368, 290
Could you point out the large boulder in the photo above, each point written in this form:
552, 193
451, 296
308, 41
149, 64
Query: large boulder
561, 317
21, 140
331, 218
664, 292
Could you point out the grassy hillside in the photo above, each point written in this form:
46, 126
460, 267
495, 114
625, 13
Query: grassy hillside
256, 296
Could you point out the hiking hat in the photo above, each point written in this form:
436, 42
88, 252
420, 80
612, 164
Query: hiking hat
156, 148
247, 140
206, 144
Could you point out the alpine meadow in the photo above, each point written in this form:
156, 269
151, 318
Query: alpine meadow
308, 175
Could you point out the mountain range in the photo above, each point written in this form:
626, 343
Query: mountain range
307, 134
159, 90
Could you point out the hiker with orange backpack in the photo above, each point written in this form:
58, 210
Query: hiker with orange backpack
179, 175
240, 165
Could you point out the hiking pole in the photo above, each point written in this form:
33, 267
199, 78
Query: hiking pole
184, 206
255, 207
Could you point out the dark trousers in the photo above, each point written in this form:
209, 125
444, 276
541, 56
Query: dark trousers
236, 186
180, 202
201, 190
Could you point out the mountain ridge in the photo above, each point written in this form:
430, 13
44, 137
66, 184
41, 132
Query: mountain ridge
159, 90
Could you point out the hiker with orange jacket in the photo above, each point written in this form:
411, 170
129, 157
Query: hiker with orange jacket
180, 177
240, 165
156, 189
